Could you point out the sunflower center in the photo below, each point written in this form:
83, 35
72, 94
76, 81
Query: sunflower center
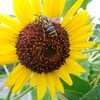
50, 51
41, 49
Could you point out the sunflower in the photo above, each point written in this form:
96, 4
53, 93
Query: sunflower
44, 46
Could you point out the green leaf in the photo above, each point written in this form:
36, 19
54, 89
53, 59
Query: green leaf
47, 96
72, 95
79, 85
95, 68
97, 32
2, 71
69, 4
90, 20
34, 95
85, 2
94, 94
85, 64
24, 88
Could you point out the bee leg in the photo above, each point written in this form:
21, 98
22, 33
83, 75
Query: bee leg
44, 36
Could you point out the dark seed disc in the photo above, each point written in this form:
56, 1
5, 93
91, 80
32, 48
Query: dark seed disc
40, 52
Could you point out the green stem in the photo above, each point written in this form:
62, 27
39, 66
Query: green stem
91, 83
9, 94
97, 79
95, 57
6, 70
22, 94
60, 96
91, 50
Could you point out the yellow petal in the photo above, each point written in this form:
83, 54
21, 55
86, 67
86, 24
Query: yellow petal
53, 8
71, 12
41, 86
6, 31
15, 74
7, 40
11, 22
48, 7
51, 84
22, 80
80, 24
74, 65
76, 18
23, 11
36, 7
77, 55
58, 83
60, 7
8, 59
33, 81
7, 36
7, 50
81, 38
81, 46
18, 75
71, 70
65, 75
81, 31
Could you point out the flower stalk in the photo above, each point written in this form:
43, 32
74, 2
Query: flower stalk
60, 96
9, 94
91, 50
97, 80
22, 94
6, 70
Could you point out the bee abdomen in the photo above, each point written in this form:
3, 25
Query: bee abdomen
48, 26
51, 30
53, 33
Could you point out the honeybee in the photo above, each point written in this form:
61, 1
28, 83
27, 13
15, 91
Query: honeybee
47, 25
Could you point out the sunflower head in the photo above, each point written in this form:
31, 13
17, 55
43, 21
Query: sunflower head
36, 48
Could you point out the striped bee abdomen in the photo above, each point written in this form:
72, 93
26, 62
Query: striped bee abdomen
50, 28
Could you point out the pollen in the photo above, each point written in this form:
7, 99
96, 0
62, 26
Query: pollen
40, 52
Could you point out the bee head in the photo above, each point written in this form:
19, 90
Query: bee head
43, 18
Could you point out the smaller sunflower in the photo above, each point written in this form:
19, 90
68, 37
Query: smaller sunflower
44, 47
